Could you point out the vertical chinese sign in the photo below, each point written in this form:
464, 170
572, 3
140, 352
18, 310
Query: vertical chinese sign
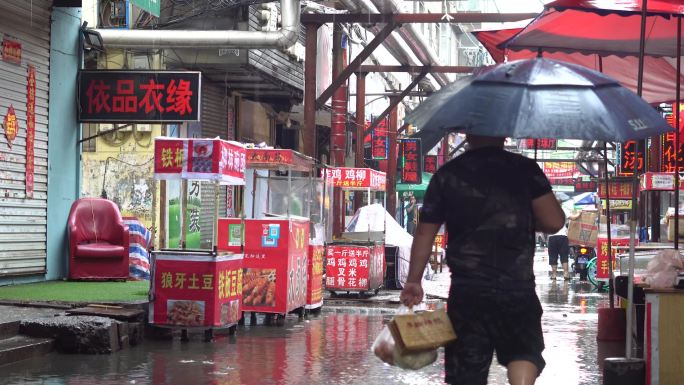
628, 158
411, 159
138, 96
30, 129
430, 164
379, 142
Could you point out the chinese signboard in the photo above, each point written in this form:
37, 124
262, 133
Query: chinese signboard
268, 158
582, 186
276, 261
671, 118
350, 267
379, 142
411, 158
562, 181
314, 292
356, 178
202, 159
193, 290
430, 163
602, 264
150, 6
669, 155
30, 129
542, 144
618, 189
558, 170
627, 157
11, 125
138, 96
11, 51
656, 181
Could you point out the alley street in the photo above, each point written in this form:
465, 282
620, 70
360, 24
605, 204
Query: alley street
333, 348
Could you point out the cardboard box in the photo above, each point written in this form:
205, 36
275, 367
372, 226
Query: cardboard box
671, 228
584, 229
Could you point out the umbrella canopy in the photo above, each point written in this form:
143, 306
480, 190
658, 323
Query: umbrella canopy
587, 198
659, 73
603, 27
537, 98
418, 190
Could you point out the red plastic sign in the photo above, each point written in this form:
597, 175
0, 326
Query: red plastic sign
314, 291
356, 178
196, 291
380, 140
430, 163
602, 265
30, 129
275, 272
354, 267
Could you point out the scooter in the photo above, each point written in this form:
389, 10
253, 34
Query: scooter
581, 255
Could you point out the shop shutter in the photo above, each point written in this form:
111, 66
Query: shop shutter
214, 123
23, 221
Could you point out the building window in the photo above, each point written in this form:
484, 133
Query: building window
89, 130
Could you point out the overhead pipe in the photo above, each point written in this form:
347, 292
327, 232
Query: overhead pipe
410, 32
284, 38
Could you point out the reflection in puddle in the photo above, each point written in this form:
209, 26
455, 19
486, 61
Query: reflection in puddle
333, 348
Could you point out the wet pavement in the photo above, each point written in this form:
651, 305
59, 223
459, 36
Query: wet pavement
332, 348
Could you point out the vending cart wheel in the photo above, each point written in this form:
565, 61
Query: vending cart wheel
280, 320
232, 330
300, 313
241, 321
252, 318
268, 319
184, 335
333, 294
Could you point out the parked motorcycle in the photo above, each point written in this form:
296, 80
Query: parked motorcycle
581, 256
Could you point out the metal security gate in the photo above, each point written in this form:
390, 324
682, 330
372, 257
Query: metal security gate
214, 123
23, 220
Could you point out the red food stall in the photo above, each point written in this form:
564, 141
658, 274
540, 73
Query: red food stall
355, 262
197, 289
283, 271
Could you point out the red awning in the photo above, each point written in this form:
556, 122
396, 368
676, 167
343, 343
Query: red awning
659, 73
602, 27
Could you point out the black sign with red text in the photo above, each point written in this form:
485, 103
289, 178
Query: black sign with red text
669, 155
541, 144
628, 159
379, 142
562, 181
411, 157
582, 186
139, 96
430, 163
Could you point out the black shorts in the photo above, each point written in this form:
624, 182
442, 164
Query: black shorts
487, 320
558, 247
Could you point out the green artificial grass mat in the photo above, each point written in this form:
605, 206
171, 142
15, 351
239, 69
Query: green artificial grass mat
67, 291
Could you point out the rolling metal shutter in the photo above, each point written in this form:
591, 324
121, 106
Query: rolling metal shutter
214, 123
23, 222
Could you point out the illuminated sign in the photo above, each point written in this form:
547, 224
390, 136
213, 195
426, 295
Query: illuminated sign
430, 163
411, 157
138, 96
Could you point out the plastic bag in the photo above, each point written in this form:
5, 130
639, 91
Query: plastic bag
385, 349
663, 269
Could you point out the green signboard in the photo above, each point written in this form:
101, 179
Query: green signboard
151, 6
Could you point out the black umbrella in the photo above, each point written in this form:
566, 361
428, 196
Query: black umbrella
537, 98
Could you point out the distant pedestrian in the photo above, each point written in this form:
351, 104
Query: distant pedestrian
411, 215
559, 248
492, 202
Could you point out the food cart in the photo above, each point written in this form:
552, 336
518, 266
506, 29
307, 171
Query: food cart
197, 289
355, 262
283, 266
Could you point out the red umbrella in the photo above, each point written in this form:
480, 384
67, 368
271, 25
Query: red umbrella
659, 73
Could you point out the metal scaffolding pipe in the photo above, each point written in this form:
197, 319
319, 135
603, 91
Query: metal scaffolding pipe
165, 38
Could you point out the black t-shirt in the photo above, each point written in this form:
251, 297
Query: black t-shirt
485, 197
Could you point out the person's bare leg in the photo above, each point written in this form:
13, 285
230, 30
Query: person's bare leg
522, 372
554, 269
566, 272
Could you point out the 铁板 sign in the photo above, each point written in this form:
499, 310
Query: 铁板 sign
138, 96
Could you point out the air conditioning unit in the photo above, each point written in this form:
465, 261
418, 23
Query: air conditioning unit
104, 127
143, 128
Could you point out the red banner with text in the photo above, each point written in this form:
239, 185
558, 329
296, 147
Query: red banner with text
30, 130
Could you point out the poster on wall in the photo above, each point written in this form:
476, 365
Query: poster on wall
11, 125
138, 96
11, 51
30, 129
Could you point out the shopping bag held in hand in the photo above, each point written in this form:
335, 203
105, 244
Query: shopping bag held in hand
422, 331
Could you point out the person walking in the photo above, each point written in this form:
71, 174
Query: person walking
492, 202
559, 248
411, 215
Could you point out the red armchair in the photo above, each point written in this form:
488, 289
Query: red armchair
98, 240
